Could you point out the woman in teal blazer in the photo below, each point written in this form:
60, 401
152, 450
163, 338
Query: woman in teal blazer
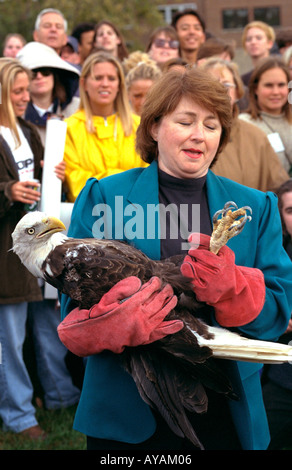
116, 207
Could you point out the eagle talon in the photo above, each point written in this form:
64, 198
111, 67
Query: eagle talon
228, 205
224, 211
240, 226
229, 225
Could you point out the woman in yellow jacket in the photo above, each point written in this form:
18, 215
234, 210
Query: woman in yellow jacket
101, 135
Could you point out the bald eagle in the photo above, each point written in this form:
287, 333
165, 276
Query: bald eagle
173, 374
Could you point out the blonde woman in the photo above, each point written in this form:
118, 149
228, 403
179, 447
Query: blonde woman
101, 134
20, 162
134, 59
139, 80
21, 153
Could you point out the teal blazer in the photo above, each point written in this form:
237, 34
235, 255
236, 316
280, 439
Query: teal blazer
116, 207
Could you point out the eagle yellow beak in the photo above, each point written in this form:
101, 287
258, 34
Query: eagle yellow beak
51, 225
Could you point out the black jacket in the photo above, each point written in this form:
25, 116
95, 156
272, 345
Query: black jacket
16, 283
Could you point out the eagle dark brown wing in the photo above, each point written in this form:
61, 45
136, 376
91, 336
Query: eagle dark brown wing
100, 264
170, 374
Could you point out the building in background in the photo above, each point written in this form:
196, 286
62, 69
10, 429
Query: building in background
227, 18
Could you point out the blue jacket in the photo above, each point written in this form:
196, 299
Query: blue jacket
110, 406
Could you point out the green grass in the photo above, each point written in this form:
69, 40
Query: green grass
58, 426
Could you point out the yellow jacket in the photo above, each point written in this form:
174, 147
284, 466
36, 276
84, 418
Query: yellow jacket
99, 154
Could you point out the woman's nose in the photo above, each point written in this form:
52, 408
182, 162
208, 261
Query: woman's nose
26, 96
104, 81
198, 132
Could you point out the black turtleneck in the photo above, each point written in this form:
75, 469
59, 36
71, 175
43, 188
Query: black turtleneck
187, 202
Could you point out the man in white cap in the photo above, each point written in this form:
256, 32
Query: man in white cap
51, 29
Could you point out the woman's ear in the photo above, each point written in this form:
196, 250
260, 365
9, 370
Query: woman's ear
154, 131
82, 83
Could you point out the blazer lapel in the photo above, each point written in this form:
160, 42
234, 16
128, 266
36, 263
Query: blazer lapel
145, 189
216, 193
143, 196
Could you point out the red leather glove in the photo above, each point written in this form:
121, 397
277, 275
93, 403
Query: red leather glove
129, 314
237, 293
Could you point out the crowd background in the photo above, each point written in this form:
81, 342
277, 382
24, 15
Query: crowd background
140, 60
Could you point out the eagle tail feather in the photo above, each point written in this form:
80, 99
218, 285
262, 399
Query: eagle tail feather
228, 345
157, 384
195, 362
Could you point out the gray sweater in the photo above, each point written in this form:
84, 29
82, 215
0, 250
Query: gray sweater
275, 124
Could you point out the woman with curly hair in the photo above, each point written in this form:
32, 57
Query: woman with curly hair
139, 79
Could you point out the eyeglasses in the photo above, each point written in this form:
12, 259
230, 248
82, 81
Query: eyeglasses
163, 42
44, 71
228, 85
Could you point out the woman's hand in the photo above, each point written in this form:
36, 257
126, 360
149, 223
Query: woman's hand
237, 293
22, 192
129, 314
60, 170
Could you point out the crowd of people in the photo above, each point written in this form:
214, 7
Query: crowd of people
173, 124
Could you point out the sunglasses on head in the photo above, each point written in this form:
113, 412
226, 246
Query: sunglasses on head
44, 71
173, 44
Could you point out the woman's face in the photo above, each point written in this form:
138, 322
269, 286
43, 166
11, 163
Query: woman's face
42, 82
163, 48
107, 39
12, 47
19, 94
137, 94
272, 91
225, 76
102, 87
287, 211
187, 139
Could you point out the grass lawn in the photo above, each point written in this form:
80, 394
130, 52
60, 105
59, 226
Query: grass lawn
60, 435
57, 424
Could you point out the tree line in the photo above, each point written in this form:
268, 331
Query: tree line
134, 19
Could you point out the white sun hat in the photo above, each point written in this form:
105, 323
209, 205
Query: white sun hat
35, 55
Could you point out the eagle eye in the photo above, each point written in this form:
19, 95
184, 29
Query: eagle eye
30, 231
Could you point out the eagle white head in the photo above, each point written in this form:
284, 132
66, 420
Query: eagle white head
34, 237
